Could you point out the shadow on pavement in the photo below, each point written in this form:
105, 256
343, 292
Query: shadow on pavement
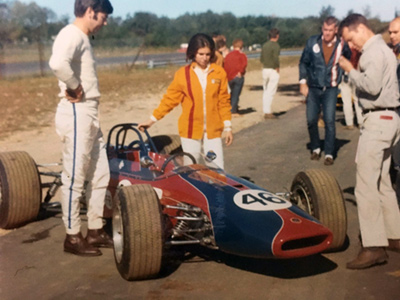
286, 89
339, 143
247, 110
38, 236
280, 268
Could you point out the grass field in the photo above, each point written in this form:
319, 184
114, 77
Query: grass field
30, 102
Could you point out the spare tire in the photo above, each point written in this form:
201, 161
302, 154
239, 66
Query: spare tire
319, 194
167, 144
20, 189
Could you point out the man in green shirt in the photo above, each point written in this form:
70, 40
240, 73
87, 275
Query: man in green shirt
270, 72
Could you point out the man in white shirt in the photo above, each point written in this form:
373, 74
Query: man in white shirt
77, 124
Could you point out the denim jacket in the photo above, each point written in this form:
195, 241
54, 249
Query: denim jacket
312, 65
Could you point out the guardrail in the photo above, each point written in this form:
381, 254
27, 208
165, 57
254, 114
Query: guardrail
152, 61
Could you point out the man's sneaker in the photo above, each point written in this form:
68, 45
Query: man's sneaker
270, 117
315, 156
328, 161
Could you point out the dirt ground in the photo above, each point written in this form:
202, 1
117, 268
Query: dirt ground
44, 146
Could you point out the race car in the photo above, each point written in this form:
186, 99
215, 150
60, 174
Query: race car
159, 202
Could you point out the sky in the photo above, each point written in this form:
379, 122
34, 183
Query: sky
384, 9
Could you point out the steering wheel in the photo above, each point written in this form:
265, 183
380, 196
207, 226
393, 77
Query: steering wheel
174, 156
133, 144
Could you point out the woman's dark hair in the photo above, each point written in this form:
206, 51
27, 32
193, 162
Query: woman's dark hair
103, 6
199, 40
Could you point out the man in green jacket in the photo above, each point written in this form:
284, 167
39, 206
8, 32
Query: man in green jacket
270, 72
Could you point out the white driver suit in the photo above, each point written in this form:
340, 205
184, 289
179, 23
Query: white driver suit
77, 124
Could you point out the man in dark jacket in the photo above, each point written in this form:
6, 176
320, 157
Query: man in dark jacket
320, 76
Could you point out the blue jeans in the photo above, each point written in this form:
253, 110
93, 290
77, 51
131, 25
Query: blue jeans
236, 85
326, 99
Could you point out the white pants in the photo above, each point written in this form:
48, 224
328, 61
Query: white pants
84, 160
347, 91
270, 85
378, 211
194, 147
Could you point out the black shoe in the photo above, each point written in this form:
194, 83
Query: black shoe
315, 156
368, 257
99, 238
76, 244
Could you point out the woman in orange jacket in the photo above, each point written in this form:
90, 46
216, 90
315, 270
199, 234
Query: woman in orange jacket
202, 90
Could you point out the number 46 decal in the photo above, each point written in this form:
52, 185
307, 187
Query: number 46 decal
260, 200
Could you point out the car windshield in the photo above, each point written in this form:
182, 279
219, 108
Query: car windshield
182, 163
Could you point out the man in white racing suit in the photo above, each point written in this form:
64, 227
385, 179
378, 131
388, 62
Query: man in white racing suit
77, 124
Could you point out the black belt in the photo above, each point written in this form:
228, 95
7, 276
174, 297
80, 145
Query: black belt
366, 111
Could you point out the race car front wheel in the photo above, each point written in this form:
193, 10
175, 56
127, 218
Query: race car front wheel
319, 194
20, 189
137, 232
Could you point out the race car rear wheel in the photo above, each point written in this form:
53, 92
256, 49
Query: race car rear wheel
20, 190
167, 144
319, 194
137, 232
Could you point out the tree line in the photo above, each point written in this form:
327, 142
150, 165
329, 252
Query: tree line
31, 23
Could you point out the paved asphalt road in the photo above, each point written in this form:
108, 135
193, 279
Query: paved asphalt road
158, 59
33, 265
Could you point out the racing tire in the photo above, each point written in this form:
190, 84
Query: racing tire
20, 189
137, 232
319, 194
167, 144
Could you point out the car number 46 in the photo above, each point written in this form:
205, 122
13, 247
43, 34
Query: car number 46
260, 200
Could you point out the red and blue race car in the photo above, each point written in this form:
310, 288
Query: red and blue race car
158, 204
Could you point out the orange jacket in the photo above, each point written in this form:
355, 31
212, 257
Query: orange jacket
191, 121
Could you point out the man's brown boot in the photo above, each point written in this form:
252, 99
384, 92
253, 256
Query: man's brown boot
76, 244
99, 238
394, 245
368, 257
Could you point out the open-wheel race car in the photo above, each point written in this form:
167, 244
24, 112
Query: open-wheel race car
158, 203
